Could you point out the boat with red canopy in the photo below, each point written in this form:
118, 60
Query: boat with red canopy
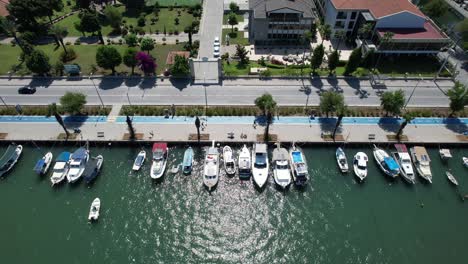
159, 161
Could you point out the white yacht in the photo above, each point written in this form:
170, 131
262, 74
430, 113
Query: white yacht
9, 158
298, 165
422, 162
139, 160
341, 160
94, 210
360, 165
42, 165
229, 162
281, 172
211, 169
404, 160
158, 166
245, 163
260, 164
61, 167
78, 161
386, 163
445, 154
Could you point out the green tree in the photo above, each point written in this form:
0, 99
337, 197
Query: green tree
435, 8
267, 105
339, 35
130, 60
90, 23
386, 38
52, 110
27, 12
458, 96
233, 7
11, 28
353, 61
241, 53
331, 102
59, 68
131, 40
313, 30
333, 60
114, 17
325, 32
408, 117
73, 103
147, 44
38, 62
365, 30
232, 20
180, 66
108, 57
59, 34
317, 57
393, 102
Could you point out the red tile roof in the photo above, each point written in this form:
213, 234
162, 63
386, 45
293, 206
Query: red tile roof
379, 8
3, 10
429, 32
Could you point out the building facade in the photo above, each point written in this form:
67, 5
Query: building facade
279, 22
413, 32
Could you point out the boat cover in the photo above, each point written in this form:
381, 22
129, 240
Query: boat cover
421, 154
401, 148
79, 154
39, 165
188, 157
297, 157
446, 153
63, 157
160, 145
391, 164
280, 154
7, 155
260, 148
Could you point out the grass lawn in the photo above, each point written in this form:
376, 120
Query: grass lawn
235, 37
172, 2
240, 18
86, 56
413, 65
234, 69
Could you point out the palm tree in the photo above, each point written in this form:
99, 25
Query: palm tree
365, 30
267, 105
339, 34
59, 34
11, 27
341, 113
408, 117
325, 32
197, 125
130, 128
386, 38
52, 110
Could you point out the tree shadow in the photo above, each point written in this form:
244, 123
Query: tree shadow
110, 83
455, 125
147, 83
180, 83
389, 124
327, 124
317, 83
40, 82
89, 39
133, 81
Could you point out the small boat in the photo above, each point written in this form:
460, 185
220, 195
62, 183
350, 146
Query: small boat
260, 164
451, 178
281, 172
92, 169
78, 161
421, 161
341, 160
187, 164
465, 161
139, 160
386, 163
229, 162
211, 169
245, 163
404, 161
160, 151
445, 154
94, 210
61, 167
299, 166
42, 165
9, 158
360, 165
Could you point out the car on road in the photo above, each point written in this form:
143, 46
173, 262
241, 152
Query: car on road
216, 52
27, 90
216, 42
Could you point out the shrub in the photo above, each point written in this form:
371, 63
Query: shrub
67, 56
141, 21
68, 43
276, 62
77, 42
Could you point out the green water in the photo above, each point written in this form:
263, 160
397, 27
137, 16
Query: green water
334, 220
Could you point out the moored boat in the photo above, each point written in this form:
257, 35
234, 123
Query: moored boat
229, 162
404, 161
451, 178
61, 166
187, 164
9, 158
421, 162
42, 165
139, 160
341, 160
360, 165
158, 166
211, 168
445, 154
78, 161
245, 163
281, 172
386, 163
299, 166
260, 164
465, 161
92, 169
94, 210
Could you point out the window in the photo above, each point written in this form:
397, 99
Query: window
339, 24
353, 15
341, 15
351, 25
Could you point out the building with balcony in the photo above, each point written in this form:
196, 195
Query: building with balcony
279, 22
413, 32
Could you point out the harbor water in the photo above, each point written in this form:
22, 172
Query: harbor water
333, 220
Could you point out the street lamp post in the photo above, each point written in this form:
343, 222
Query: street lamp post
1, 98
97, 91
412, 92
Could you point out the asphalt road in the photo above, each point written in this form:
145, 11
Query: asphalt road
230, 92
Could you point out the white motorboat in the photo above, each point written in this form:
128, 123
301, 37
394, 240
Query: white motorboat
465, 161
139, 160
211, 169
187, 164
341, 160
42, 165
404, 161
160, 152
451, 178
299, 166
386, 163
422, 162
229, 162
78, 161
94, 210
9, 158
260, 164
281, 172
61, 167
245, 163
360, 165
445, 154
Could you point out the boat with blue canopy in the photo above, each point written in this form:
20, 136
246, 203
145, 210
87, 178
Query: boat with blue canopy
386, 163
298, 165
187, 164
42, 165
78, 162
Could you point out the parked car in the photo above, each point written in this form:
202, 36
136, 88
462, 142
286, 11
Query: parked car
216, 52
216, 42
27, 90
